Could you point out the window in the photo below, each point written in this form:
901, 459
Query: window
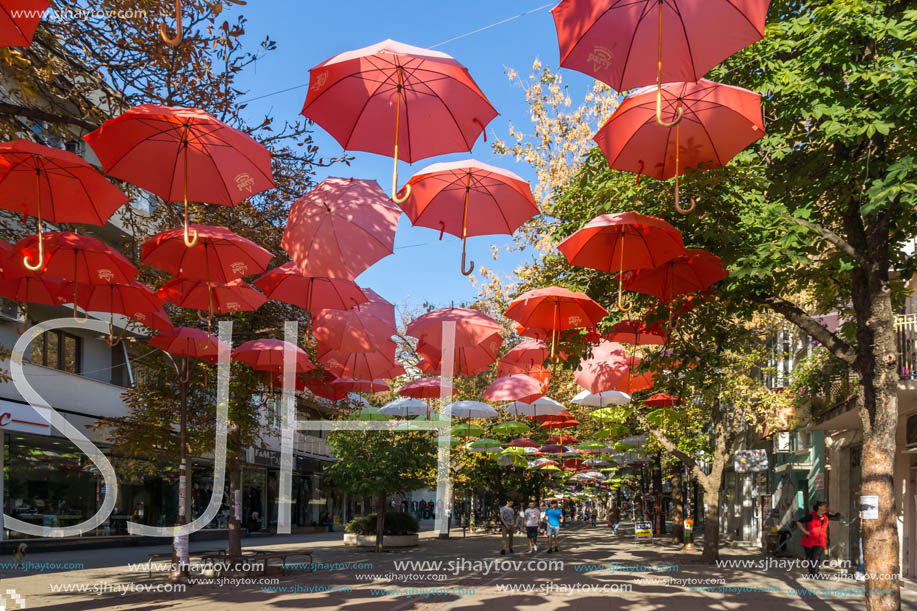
59, 350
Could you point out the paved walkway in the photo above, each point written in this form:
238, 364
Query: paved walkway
594, 570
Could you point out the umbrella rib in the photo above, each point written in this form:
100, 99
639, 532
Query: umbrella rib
630, 45
744, 16
684, 30
358, 115
709, 137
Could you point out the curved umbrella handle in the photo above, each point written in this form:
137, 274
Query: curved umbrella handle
406, 189
190, 235
679, 112
41, 254
470, 269
77, 318
164, 34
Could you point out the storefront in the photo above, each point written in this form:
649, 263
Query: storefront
261, 491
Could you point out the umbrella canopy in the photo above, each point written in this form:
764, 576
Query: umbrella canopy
469, 409
484, 445
510, 428
660, 399
468, 359
632, 383
53, 184
431, 99
471, 327
623, 241
664, 416
623, 42
610, 414
353, 385
552, 448
592, 446
555, 308
543, 406
286, 283
364, 365
606, 368
340, 228
601, 399
562, 414
268, 355
405, 407
637, 332
694, 271
515, 387
561, 439
370, 413
559, 424
219, 255
18, 21
46, 290
134, 300
466, 430
422, 388
522, 442
320, 384
526, 355
78, 258
378, 307
469, 198
613, 430
186, 341
352, 331
215, 297
536, 371
182, 154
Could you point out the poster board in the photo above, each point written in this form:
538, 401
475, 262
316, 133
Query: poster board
643, 531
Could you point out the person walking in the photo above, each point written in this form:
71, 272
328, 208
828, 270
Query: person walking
614, 519
814, 529
555, 518
592, 516
544, 519
507, 520
532, 517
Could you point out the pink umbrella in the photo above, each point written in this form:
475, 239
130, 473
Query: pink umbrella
422, 388
526, 355
268, 355
471, 326
522, 442
286, 283
515, 387
360, 365
352, 331
352, 96
468, 359
468, 198
378, 307
235, 296
606, 368
352, 385
340, 228
186, 341
537, 372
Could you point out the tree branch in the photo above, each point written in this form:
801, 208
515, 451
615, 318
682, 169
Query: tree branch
795, 315
13, 110
837, 241
666, 443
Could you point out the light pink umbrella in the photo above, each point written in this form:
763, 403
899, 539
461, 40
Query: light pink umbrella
471, 327
340, 228
605, 369
268, 355
469, 359
378, 307
352, 331
517, 387
525, 355
422, 388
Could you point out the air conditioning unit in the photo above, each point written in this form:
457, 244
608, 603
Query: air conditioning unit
9, 310
782, 443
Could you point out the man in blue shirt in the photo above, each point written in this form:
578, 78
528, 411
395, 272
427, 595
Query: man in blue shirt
555, 518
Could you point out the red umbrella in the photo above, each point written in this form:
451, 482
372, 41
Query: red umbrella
471, 327
621, 42
526, 355
18, 21
536, 371
286, 283
515, 387
6, 251
694, 271
182, 154
352, 94
212, 297
352, 331
322, 386
378, 307
606, 367
186, 341
534, 332
522, 442
130, 300
268, 355
623, 241
469, 359
561, 415
559, 424
637, 332
631, 382
340, 228
468, 198
552, 449
574, 464
422, 388
360, 365
54, 185
561, 439
660, 399
219, 255
351, 385
555, 308
32, 289
721, 121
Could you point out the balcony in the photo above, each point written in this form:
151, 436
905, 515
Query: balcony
906, 340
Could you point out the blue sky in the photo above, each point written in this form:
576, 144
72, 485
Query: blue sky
307, 32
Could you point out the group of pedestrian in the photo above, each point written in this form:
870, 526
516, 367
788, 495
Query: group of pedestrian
533, 519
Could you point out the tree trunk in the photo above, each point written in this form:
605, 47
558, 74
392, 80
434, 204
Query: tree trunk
235, 511
180, 543
711, 523
678, 520
380, 521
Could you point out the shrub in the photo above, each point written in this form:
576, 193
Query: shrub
396, 523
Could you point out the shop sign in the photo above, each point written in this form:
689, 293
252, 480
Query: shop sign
643, 531
747, 461
24, 418
268, 458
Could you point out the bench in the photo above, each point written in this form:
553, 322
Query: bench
162, 555
262, 557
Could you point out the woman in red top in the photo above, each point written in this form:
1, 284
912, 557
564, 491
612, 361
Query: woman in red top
814, 529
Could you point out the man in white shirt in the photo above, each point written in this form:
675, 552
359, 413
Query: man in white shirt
532, 516
507, 518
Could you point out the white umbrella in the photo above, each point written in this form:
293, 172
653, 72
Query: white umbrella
404, 407
469, 409
601, 399
543, 406
356, 401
